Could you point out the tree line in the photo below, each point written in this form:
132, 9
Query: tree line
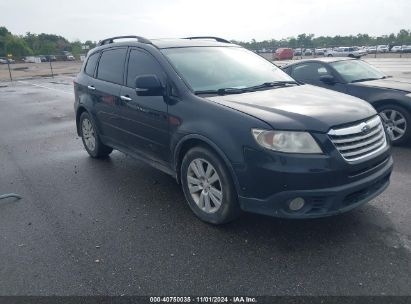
403, 37
49, 44
38, 44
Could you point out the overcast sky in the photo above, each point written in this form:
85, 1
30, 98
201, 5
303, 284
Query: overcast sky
232, 19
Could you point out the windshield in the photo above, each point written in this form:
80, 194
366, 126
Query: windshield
214, 68
356, 70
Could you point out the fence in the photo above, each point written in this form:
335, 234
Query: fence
39, 66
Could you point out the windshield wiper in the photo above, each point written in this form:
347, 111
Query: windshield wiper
365, 79
224, 91
272, 84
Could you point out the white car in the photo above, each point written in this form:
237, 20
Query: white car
319, 51
396, 49
32, 59
382, 49
371, 49
346, 52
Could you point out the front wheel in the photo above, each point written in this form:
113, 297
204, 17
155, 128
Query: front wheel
397, 121
208, 186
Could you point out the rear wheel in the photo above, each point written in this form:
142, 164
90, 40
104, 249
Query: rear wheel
208, 186
397, 121
91, 139
329, 55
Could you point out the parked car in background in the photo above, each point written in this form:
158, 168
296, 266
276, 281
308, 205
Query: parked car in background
308, 52
371, 50
297, 52
382, 49
396, 49
391, 97
352, 52
32, 59
319, 52
232, 128
406, 48
283, 54
43, 58
50, 58
68, 56
4, 60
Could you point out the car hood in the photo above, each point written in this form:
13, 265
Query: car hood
302, 107
398, 84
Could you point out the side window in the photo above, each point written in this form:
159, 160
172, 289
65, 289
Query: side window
91, 64
309, 72
111, 65
140, 63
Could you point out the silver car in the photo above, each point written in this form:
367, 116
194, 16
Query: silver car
346, 52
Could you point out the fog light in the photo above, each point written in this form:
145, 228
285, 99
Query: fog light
296, 204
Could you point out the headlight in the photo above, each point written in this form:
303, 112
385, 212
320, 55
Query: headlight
287, 141
409, 95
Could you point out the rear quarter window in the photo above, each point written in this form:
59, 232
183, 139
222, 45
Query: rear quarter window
91, 64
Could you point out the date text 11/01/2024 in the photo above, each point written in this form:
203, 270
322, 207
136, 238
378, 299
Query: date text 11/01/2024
238, 299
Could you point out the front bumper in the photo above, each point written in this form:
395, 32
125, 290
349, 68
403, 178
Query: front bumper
321, 202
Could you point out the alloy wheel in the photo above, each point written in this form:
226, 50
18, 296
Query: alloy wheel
395, 122
88, 134
204, 185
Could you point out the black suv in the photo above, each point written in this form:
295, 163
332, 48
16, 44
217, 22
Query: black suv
236, 131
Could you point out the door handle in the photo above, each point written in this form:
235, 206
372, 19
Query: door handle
90, 87
125, 98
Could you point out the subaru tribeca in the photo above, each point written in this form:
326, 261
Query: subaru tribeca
234, 130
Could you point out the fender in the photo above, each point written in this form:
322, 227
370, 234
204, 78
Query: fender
209, 142
85, 102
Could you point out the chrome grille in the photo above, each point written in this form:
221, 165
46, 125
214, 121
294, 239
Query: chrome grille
359, 140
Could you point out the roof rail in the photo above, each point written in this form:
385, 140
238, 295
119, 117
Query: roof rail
218, 39
111, 40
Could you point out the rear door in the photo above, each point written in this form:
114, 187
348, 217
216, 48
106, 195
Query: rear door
83, 94
145, 118
105, 89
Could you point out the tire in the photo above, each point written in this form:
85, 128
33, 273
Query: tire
201, 188
396, 122
351, 56
329, 55
91, 140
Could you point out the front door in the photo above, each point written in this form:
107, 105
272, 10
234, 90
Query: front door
311, 72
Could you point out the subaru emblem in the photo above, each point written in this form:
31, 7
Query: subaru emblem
365, 129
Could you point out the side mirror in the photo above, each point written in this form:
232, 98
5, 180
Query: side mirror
149, 85
327, 79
